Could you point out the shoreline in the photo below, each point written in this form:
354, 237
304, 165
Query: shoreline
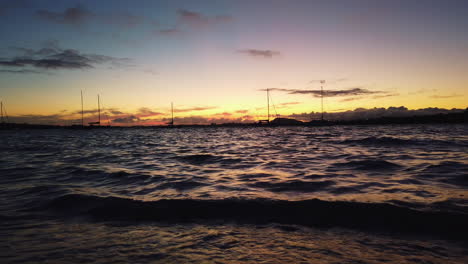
444, 119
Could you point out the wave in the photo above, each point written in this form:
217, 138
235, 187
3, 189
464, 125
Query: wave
380, 141
181, 185
294, 186
202, 159
99, 176
446, 167
392, 141
450, 172
369, 164
380, 217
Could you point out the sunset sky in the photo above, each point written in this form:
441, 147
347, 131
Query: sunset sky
214, 59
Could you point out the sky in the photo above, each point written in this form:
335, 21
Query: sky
215, 59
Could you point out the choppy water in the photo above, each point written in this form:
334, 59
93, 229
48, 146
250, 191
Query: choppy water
350, 194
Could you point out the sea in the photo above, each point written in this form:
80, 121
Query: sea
331, 194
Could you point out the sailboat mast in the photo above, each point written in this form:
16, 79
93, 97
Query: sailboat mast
172, 113
268, 104
82, 112
321, 94
1, 107
99, 109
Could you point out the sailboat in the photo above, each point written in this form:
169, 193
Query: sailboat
2, 120
266, 121
278, 121
91, 124
97, 123
322, 121
3, 116
171, 123
76, 126
321, 96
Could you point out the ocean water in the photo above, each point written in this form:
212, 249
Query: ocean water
344, 194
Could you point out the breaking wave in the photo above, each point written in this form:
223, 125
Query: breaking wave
381, 217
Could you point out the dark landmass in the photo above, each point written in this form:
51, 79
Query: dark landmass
448, 118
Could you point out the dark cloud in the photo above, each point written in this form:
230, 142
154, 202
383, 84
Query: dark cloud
119, 116
242, 111
110, 111
65, 117
68, 59
131, 119
330, 93
146, 112
202, 108
77, 15
204, 120
363, 113
260, 53
116, 112
199, 19
20, 71
87, 112
53, 57
115, 62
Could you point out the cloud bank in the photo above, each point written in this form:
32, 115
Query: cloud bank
371, 113
79, 16
147, 116
333, 93
52, 57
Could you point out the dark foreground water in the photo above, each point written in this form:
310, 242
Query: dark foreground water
351, 194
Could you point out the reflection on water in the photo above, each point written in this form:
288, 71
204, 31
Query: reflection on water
416, 164
193, 243
422, 168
